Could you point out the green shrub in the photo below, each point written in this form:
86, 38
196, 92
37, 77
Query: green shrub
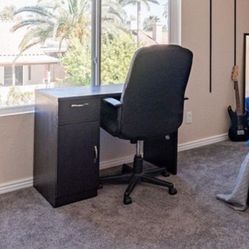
117, 52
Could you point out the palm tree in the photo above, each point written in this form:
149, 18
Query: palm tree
149, 22
138, 3
7, 13
166, 12
67, 19
113, 17
58, 19
63, 20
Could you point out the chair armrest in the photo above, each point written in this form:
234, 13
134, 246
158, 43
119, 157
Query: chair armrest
113, 102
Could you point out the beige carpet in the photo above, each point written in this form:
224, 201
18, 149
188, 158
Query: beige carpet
191, 219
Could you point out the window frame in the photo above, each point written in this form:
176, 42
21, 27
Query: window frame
96, 42
175, 21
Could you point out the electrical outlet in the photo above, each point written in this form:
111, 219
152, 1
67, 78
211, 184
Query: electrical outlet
189, 118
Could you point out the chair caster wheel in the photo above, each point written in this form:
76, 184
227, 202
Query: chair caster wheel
126, 169
165, 174
100, 186
127, 200
172, 191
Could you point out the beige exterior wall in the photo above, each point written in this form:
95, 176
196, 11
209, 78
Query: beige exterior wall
58, 72
38, 75
209, 110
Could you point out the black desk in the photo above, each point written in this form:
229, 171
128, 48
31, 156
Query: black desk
67, 131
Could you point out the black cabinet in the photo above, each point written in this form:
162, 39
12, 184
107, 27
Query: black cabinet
66, 162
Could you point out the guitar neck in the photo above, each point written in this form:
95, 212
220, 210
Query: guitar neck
237, 98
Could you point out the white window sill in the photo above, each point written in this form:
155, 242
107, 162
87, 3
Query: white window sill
16, 110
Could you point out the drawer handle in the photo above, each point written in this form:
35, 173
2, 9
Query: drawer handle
79, 105
96, 153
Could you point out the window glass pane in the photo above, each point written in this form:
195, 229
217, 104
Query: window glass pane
7, 76
126, 26
47, 42
19, 75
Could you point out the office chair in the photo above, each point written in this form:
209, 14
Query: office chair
151, 106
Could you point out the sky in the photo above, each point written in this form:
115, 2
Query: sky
155, 10
15, 2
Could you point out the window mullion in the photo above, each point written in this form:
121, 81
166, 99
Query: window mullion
96, 41
174, 21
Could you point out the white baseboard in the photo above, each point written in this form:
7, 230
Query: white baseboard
28, 182
202, 142
181, 147
16, 185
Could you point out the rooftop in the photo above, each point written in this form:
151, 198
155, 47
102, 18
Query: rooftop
9, 49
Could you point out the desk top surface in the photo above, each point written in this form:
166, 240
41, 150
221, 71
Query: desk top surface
85, 91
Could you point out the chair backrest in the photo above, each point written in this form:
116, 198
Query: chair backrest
153, 96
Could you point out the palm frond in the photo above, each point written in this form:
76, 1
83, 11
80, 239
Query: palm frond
40, 10
30, 22
35, 36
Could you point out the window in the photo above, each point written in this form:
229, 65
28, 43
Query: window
29, 72
11, 79
73, 42
44, 44
8, 76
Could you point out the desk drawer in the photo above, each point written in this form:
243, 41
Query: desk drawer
79, 110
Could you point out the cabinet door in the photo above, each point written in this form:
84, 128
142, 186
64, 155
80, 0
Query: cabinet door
78, 164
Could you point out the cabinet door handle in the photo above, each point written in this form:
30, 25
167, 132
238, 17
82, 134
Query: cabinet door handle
79, 105
95, 153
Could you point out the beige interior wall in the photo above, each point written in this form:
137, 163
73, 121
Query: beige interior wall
16, 147
209, 110
247, 68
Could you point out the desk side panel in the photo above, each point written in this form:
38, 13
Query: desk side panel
45, 146
162, 152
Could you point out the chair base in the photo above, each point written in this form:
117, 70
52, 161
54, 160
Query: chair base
136, 175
